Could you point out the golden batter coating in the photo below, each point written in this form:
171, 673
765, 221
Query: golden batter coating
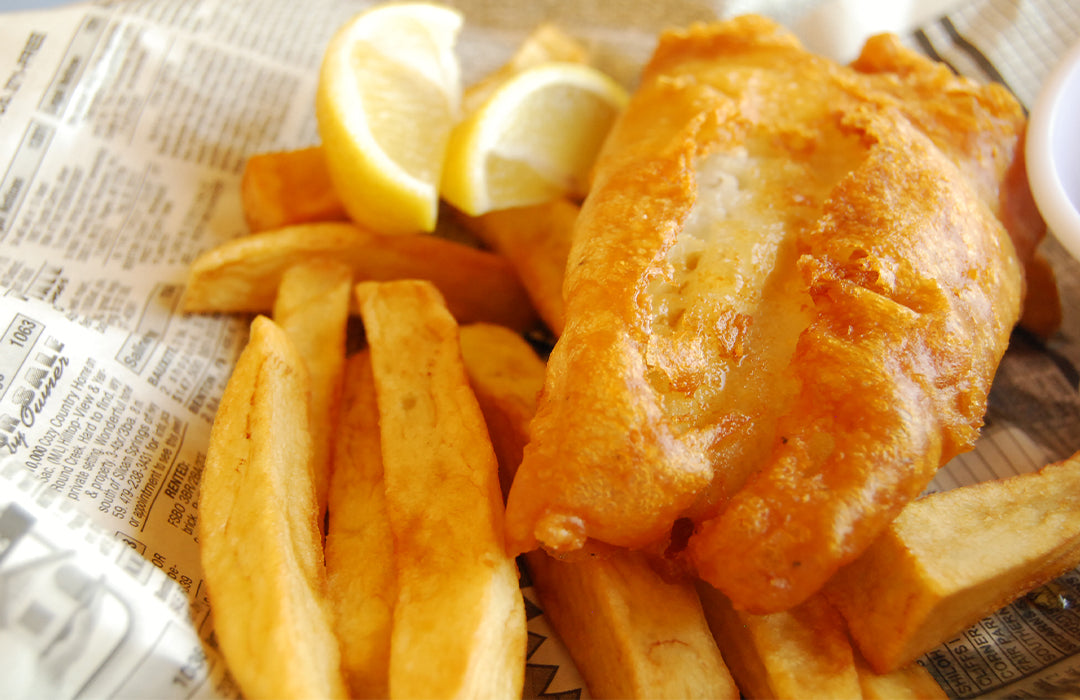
787, 295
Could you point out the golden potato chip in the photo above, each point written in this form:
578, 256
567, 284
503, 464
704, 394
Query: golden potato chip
359, 546
631, 634
1017, 534
242, 275
536, 241
283, 188
312, 306
459, 620
261, 546
799, 653
506, 375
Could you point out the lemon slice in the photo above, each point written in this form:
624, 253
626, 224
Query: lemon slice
389, 93
534, 139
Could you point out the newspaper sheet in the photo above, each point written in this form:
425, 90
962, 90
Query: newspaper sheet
124, 127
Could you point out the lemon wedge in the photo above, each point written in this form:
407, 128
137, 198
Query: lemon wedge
534, 138
389, 93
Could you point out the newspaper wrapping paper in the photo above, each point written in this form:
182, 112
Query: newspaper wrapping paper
123, 130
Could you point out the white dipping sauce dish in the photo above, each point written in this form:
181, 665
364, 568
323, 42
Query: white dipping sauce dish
1052, 151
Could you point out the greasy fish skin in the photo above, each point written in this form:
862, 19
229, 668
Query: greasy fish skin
788, 291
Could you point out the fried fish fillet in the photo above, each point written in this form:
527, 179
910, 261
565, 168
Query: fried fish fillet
787, 295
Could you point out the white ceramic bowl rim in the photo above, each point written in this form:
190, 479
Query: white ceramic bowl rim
1053, 151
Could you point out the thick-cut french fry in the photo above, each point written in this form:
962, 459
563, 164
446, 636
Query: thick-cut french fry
242, 275
799, 653
954, 557
912, 682
312, 306
536, 241
804, 652
261, 546
284, 188
359, 548
631, 634
506, 375
459, 619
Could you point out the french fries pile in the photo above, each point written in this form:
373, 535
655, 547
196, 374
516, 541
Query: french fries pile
351, 519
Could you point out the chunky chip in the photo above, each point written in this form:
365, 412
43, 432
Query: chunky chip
631, 633
804, 653
284, 188
536, 242
506, 375
459, 620
243, 274
953, 557
799, 653
359, 546
261, 546
312, 306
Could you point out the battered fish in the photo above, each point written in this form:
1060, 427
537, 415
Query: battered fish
787, 295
